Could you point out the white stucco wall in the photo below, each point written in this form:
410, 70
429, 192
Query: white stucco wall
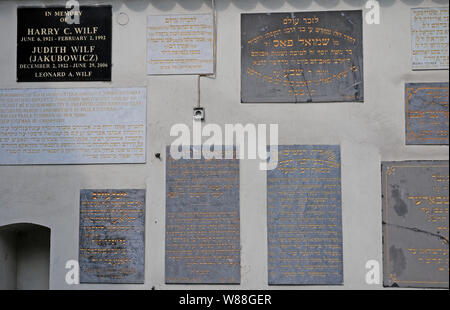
368, 133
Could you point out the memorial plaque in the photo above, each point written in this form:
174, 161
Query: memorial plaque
302, 57
429, 38
53, 49
415, 223
202, 221
72, 126
112, 236
426, 106
304, 216
180, 44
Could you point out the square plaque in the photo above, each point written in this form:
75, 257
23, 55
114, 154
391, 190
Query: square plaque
180, 44
202, 221
53, 48
112, 236
415, 223
302, 57
429, 38
72, 126
304, 216
426, 109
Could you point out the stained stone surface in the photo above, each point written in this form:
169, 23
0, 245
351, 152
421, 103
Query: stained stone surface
426, 113
112, 236
415, 223
304, 216
302, 57
202, 221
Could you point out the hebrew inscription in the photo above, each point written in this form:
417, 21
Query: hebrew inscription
415, 223
202, 221
180, 44
426, 106
429, 38
304, 216
302, 57
72, 126
112, 234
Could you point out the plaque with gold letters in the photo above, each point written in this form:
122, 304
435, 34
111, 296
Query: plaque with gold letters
304, 216
415, 224
202, 219
305, 57
112, 236
55, 44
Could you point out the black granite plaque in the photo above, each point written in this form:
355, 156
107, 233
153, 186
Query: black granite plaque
304, 216
112, 234
50, 49
415, 223
202, 221
426, 113
302, 57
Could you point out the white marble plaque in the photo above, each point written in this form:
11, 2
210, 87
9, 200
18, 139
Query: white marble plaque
429, 38
180, 44
72, 126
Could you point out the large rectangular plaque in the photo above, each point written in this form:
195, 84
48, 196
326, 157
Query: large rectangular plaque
304, 216
426, 106
415, 223
202, 221
72, 126
429, 38
302, 57
180, 44
112, 236
53, 49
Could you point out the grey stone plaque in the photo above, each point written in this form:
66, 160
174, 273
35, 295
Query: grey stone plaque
202, 221
415, 223
304, 216
302, 57
429, 38
112, 236
426, 106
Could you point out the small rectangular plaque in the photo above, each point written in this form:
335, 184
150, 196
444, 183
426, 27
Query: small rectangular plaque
415, 223
302, 57
426, 106
112, 236
72, 126
202, 221
304, 216
180, 44
429, 38
53, 49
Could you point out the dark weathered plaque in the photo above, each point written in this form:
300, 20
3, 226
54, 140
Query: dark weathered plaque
304, 216
112, 234
202, 221
51, 49
415, 223
426, 106
302, 57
